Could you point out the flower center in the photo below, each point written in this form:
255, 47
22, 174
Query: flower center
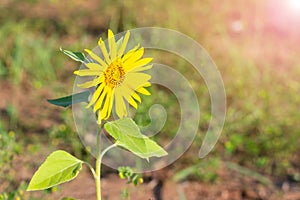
114, 74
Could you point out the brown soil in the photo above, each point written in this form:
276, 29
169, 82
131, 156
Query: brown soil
231, 186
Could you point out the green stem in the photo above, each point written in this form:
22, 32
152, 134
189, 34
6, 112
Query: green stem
91, 168
98, 178
98, 167
106, 150
100, 155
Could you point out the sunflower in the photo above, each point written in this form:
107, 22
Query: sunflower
118, 77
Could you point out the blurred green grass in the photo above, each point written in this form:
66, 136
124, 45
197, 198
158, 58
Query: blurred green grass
262, 128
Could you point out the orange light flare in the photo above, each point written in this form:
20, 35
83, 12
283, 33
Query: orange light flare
294, 7
284, 15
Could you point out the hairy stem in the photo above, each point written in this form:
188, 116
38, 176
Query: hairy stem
100, 155
98, 167
98, 178
106, 150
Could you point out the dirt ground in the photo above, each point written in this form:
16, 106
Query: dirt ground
159, 185
230, 186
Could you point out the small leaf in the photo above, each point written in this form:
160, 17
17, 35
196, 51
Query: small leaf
127, 134
58, 168
77, 56
127, 172
71, 99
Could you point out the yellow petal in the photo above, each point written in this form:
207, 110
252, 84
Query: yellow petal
90, 84
135, 80
139, 69
148, 84
99, 102
132, 102
94, 66
125, 91
88, 72
134, 56
110, 105
136, 97
139, 63
130, 52
124, 108
104, 111
143, 91
124, 44
119, 105
104, 50
112, 45
128, 93
96, 58
96, 95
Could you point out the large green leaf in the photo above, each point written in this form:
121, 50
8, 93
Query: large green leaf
77, 56
58, 168
71, 99
127, 134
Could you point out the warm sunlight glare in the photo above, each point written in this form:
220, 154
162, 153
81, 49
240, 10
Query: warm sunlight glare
284, 15
294, 5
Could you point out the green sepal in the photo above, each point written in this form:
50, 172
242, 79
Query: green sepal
77, 56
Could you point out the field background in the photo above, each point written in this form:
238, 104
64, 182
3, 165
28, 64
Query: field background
255, 45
